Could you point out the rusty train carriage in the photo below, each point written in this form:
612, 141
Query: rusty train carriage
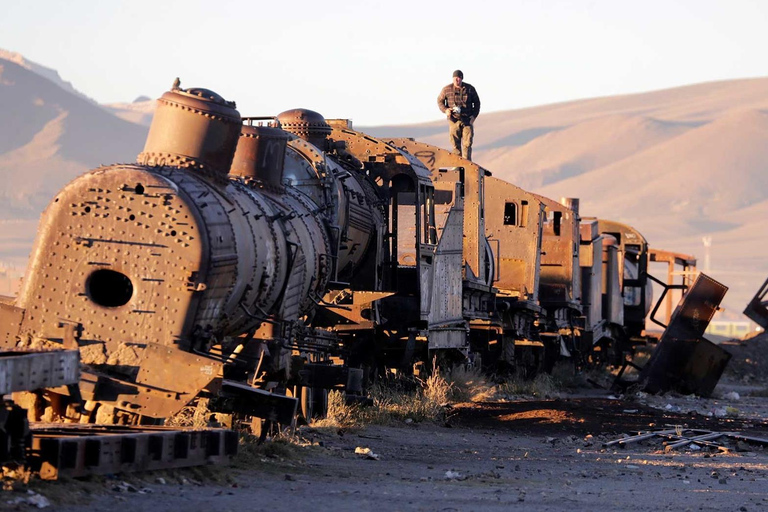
502, 241
262, 261
447, 234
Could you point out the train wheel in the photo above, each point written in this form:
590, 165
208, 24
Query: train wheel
319, 402
306, 403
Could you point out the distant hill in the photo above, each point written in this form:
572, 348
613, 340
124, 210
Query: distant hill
679, 164
49, 135
140, 111
48, 73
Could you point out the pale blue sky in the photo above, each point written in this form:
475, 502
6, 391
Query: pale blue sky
384, 62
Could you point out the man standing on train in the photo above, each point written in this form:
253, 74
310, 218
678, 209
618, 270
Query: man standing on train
461, 105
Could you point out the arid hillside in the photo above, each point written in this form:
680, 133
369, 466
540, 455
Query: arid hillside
139, 111
679, 164
48, 136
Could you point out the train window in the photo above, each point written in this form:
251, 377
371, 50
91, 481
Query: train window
443, 196
510, 214
558, 217
406, 198
404, 226
523, 214
429, 231
632, 295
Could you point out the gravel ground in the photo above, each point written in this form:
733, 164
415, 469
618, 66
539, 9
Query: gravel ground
542, 455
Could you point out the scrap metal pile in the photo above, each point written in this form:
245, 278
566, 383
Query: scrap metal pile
55, 450
678, 437
757, 309
260, 262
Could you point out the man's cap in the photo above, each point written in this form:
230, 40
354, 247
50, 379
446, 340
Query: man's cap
459, 74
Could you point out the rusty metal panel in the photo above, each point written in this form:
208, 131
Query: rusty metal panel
161, 368
10, 324
115, 260
592, 277
696, 309
446, 292
588, 229
325, 376
169, 378
519, 239
704, 367
244, 399
66, 450
613, 301
683, 360
560, 280
756, 309
27, 370
132, 397
448, 338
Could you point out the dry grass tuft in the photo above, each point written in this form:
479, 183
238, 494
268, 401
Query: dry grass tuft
566, 377
436, 388
250, 452
340, 414
396, 399
470, 384
195, 415
14, 477
543, 386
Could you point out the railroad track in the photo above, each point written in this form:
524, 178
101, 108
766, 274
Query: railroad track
73, 450
55, 450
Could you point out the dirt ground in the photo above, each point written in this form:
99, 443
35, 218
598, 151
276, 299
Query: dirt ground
522, 454
542, 455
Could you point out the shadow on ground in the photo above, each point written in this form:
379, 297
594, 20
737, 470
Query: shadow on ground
583, 416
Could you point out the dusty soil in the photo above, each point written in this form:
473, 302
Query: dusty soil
542, 455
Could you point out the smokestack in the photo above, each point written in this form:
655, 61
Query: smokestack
194, 128
260, 154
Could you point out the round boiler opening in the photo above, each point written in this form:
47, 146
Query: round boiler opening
109, 288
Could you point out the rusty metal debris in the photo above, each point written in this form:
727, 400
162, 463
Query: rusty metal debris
69, 450
678, 437
757, 309
55, 450
26, 370
683, 359
678, 264
23, 370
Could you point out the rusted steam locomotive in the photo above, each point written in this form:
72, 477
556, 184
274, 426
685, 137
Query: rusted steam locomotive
262, 261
